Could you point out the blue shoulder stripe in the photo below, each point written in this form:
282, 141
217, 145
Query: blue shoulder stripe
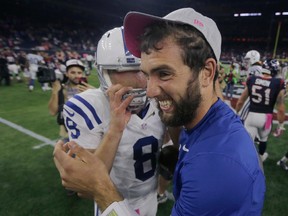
90, 107
80, 112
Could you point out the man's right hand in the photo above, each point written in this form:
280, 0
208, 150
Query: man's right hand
118, 107
85, 173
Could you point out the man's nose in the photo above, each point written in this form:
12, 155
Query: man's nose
153, 88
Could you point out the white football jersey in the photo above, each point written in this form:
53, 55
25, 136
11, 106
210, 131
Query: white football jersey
87, 117
254, 70
34, 59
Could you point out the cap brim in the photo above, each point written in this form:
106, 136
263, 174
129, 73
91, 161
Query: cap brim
134, 25
80, 66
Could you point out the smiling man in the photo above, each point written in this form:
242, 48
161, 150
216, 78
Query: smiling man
218, 171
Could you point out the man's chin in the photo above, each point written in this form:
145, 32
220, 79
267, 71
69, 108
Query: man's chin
167, 118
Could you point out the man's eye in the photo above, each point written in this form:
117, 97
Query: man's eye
164, 75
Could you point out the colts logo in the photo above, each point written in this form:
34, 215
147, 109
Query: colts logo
130, 60
198, 22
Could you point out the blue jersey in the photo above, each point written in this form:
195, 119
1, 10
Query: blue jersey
218, 170
263, 93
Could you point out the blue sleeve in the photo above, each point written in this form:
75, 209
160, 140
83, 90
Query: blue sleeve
212, 184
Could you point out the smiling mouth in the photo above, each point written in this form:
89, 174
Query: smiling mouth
165, 105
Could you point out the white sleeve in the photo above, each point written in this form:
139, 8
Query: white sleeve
83, 123
121, 208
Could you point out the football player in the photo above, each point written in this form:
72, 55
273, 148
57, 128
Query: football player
253, 67
34, 60
13, 67
264, 92
253, 63
130, 155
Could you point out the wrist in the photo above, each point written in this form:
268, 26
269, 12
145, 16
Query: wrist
106, 194
115, 131
121, 208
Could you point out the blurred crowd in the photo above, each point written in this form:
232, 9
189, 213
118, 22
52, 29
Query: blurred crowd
19, 34
23, 65
56, 43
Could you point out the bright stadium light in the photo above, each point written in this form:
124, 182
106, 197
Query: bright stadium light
236, 15
285, 13
250, 14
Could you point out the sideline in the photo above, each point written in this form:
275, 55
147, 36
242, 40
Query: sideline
43, 139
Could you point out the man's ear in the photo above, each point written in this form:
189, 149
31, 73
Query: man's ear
208, 72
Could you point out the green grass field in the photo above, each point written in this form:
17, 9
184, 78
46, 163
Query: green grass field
30, 184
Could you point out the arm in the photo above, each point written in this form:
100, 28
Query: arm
242, 99
104, 145
280, 103
108, 147
85, 173
53, 102
81, 174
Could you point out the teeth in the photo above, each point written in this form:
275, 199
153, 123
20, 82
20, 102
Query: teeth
166, 103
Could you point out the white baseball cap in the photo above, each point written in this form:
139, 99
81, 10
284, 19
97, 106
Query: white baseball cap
74, 62
135, 23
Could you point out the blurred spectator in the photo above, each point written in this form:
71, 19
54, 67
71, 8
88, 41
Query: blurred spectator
64, 89
4, 73
34, 60
221, 76
24, 65
231, 80
13, 66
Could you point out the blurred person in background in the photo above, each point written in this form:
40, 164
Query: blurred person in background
4, 72
221, 77
230, 80
264, 92
13, 66
24, 65
252, 63
253, 66
35, 60
63, 89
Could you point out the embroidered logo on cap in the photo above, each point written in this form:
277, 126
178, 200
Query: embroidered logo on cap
198, 22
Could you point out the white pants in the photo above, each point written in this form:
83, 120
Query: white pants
33, 70
13, 69
255, 125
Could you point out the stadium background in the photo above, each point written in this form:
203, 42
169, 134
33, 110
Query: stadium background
29, 182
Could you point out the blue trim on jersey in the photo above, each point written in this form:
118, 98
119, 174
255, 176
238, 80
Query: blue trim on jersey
80, 112
90, 107
97, 211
